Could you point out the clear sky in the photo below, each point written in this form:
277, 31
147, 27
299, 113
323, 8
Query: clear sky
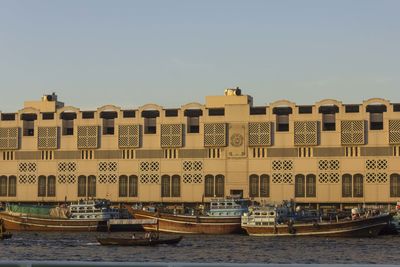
169, 52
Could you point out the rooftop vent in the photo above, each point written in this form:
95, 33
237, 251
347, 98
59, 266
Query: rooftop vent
49, 98
233, 92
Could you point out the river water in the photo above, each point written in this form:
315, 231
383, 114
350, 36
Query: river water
203, 249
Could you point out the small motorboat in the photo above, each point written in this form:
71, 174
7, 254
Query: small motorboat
138, 241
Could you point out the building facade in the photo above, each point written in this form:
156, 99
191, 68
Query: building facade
326, 153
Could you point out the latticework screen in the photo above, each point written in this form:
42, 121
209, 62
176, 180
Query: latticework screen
394, 131
282, 171
305, 133
171, 135
214, 134
9, 138
149, 172
129, 136
328, 171
47, 137
88, 136
353, 132
260, 134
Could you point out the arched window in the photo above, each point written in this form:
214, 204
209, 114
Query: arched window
358, 185
12, 186
51, 186
42, 186
311, 181
264, 185
3, 186
299, 185
219, 186
253, 185
176, 186
165, 186
82, 186
123, 186
133, 186
346, 185
395, 185
91, 191
209, 186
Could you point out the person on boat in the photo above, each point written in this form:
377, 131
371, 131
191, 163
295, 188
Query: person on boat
133, 236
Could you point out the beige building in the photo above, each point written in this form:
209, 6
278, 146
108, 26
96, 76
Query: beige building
326, 153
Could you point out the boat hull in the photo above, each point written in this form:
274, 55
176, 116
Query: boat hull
369, 227
137, 242
26, 223
169, 223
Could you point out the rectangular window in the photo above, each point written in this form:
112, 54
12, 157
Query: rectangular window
311, 186
258, 110
259, 152
46, 155
51, 186
3, 186
376, 121
358, 185
42, 186
108, 126
170, 153
128, 154
165, 186
305, 152
8, 155
12, 186
123, 186
91, 186
67, 127
8, 116
129, 114
171, 113
133, 186
305, 109
150, 125
214, 153
88, 115
347, 185
299, 186
216, 112
352, 108
282, 123
28, 128
87, 154
48, 116
176, 186
193, 124
328, 122
82, 186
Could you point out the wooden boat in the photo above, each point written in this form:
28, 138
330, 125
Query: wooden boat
138, 242
275, 221
83, 216
3, 234
222, 218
